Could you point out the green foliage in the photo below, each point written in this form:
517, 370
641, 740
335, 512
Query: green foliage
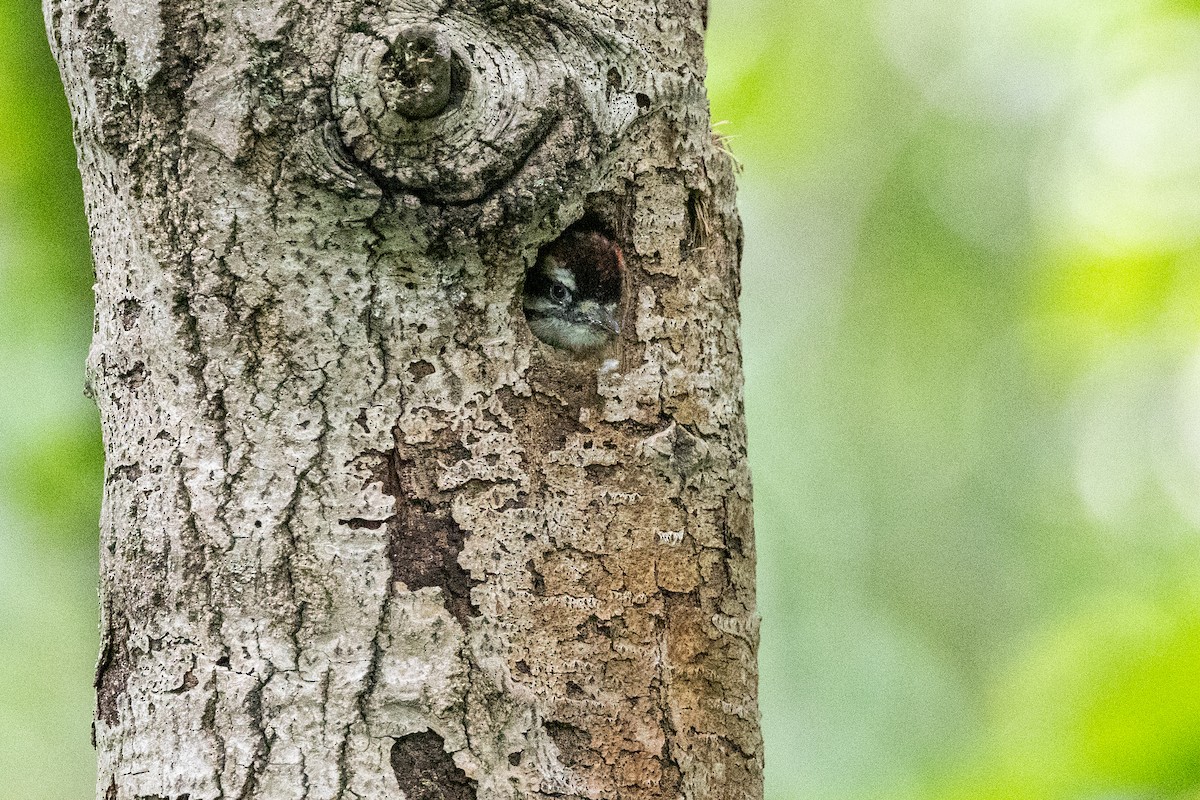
50, 457
972, 307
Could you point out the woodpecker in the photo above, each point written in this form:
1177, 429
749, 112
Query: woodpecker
573, 292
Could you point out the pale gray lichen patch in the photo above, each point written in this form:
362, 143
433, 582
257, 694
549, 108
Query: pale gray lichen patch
139, 26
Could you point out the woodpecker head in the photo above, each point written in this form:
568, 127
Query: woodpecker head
573, 292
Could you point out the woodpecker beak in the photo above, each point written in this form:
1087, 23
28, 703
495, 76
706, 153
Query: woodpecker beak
605, 319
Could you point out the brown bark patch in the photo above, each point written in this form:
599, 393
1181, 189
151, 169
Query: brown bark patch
425, 771
421, 369
574, 744
423, 548
112, 674
424, 541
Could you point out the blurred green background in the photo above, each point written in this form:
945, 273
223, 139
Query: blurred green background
972, 328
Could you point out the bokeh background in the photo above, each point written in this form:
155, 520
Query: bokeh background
972, 334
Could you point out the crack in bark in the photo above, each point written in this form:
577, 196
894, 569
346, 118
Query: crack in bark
112, 670
262, 748
208, 724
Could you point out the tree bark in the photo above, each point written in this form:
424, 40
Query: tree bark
363, 535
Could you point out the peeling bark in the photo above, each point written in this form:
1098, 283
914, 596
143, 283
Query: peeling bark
363, 535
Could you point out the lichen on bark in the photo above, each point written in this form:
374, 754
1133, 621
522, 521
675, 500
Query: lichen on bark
363, 535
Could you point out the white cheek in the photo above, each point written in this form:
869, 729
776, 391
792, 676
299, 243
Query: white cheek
559, 333
584, 337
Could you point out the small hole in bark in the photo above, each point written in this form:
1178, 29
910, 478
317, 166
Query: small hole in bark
421, 369
572, 294
643, 101
515, 758
130, 309
601, 473
223, 661
614, 81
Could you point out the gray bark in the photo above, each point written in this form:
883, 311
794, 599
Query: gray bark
363, 536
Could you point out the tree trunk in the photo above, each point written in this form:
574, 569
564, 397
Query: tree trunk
364, 535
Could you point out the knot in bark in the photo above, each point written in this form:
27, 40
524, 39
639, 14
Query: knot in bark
416, 80
449, 111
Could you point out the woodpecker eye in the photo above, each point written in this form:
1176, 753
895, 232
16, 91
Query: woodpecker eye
559, 293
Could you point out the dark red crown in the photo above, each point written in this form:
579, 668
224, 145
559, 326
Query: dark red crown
594, 259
